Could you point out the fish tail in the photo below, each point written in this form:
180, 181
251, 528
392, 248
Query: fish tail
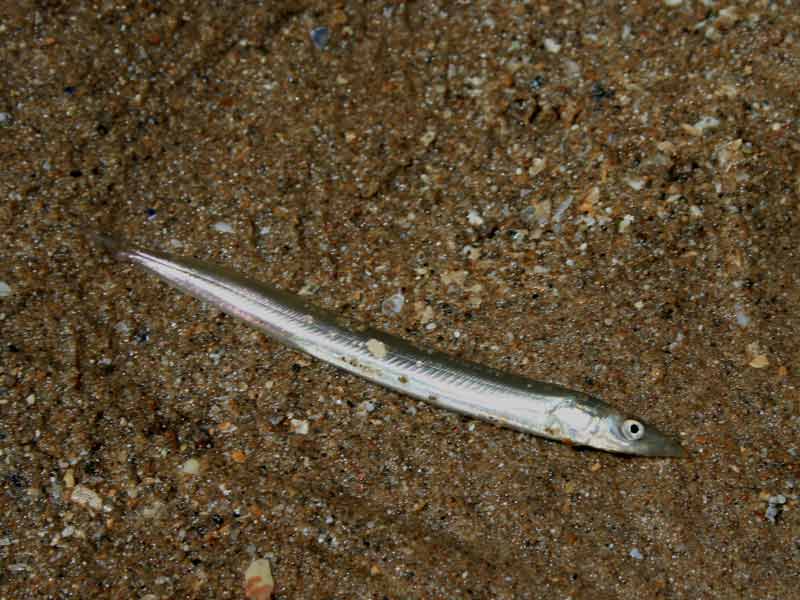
117, 246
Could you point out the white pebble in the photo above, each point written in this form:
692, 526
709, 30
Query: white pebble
191, 467
625, 223
393, 304
552, 46
223, 227
84, 496
562, 208
5, 289
742, 320
474, 218
635, 183
376, 348
366, 407
707, 123
298, 426
636, 554
258, 581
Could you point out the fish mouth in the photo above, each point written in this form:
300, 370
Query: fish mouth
657, 444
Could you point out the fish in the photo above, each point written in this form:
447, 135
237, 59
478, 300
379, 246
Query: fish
543, 409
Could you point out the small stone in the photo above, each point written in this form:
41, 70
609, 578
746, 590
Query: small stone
759, 362
238, 456
69, 478
5, 119
537, 166
552, 46
190, 467
258, 581
707, 123
5, 290
320, 36
298, 426
742, 320
84, 496
625, 223
635, 183
30, 400
562, 208
376, 348
474, 218
223, 227
542, 211
636, 554
428, 137
365, 408
393, 304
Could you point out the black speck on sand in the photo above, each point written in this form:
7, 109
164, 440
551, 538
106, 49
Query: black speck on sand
603, 196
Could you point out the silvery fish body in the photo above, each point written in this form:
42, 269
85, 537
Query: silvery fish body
542, 409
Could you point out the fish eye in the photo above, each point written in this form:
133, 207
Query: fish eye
633, 430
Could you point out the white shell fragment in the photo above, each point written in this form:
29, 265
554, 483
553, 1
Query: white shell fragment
258, 582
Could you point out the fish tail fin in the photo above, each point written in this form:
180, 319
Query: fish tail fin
117, 246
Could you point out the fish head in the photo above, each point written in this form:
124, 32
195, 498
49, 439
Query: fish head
629, 435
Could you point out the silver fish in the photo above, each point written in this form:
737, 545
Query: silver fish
543, 409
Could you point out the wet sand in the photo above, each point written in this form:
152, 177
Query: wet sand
602, 197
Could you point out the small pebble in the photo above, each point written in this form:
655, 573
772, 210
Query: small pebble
474, 218
635, 183
320, 36
742, 320
366, 408
759, 362
562, 209
625, 223
5, 119
636, 554
223, 227
298, 426
83, 496
191, 467
5, 289
393, 304
774, 507
376, 348
552, 46
707, 123
258, 581
537, 166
